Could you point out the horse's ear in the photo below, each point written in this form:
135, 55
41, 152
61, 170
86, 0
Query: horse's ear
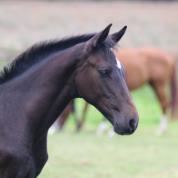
98, 38
118, 35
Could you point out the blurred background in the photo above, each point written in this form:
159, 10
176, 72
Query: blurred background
86, 154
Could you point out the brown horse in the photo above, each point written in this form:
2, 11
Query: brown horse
152, 66
158, 69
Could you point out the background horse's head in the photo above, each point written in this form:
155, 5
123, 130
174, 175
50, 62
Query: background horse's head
100, 80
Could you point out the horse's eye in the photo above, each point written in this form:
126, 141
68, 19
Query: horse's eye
105, 72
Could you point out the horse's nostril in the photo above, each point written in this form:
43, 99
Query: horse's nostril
132, 124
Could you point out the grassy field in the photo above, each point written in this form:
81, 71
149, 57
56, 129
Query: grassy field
142, 155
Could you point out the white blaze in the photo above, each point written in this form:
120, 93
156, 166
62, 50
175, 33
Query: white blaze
117, 60
118, 63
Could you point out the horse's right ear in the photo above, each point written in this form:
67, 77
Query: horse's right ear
98, 39
118, 35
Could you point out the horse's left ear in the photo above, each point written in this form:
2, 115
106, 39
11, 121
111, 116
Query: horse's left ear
118, 35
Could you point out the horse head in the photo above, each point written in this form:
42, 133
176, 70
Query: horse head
100, 80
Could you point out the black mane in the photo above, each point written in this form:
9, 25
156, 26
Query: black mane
37, 53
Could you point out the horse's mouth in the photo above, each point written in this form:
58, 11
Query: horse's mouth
111, 114
124, 130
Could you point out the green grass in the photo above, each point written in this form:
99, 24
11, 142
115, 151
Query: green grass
141, 155
137, 156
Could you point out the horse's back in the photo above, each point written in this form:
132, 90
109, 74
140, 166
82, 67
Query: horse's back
160, 63
135, 64
146, 64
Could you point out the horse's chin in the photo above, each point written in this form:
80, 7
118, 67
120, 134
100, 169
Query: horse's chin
118, 129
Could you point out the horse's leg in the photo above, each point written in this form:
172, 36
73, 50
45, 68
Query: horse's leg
64, 116
55, 127
111, 133
103, 127
61, 120
159, 88
74, 112
83, 117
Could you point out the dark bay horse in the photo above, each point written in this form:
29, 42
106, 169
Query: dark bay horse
36, 87
154, 67
158, 69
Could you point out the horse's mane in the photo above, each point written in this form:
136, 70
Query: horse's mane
37, 53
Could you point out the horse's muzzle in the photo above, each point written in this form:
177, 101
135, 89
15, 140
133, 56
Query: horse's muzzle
128, 128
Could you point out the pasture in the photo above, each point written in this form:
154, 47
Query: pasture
140, 155
86, 155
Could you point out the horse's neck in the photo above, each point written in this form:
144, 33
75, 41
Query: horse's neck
45, 89
57, 107
57, 83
